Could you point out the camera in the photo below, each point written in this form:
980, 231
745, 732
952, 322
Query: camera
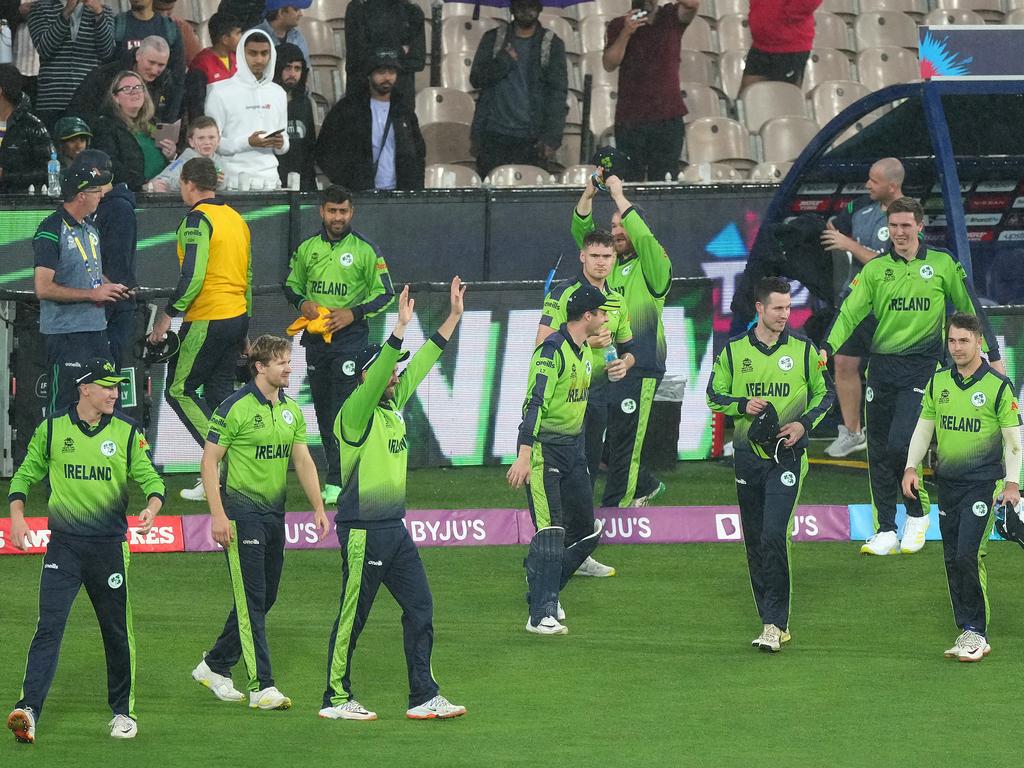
637, 15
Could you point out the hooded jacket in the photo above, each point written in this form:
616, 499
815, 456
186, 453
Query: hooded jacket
301, 125
118, 228
24, 150
242, 105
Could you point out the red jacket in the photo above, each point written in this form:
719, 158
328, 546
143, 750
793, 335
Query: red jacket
210, 64
782, 26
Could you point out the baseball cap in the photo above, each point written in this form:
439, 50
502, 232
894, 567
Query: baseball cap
69, 127
277, 5
90, 169
368, 354
589, 299
384, 57
100, 371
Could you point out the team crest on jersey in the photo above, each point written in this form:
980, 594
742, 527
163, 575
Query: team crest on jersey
115, 580
786, 363
882, 234
627, 269
944, 397
288, 418
345, 259
927, 272
980, 508
399, 416
349, 367
869, 394
257, 422
788, 479
108, 448
888, 276
628, 405
69, 446
978, 399
746, 366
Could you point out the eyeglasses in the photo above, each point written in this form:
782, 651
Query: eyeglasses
130, 89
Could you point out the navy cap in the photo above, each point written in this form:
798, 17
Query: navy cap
587, 298
90, 169
368, 354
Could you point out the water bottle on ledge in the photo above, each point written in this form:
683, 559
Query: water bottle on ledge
53, 176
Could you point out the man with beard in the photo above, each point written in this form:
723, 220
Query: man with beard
396, 24
372, 140
291, 74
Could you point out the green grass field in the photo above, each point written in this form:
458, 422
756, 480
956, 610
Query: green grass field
656, 671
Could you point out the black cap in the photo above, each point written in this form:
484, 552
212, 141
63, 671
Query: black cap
100, 371
1009, 524
384, 57
368, 354
69, 127
90, 169
587, 298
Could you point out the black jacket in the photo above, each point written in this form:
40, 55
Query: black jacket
301, 125
374, 24
111, 135
87, 102
548, 83
118, 228
344, 150
24, 151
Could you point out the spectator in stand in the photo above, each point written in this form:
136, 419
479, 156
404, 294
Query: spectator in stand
203, 141
72, 37
282, 24
141, 22
520, 70
782, 34
74, 137
189, 38
25, 146
26, 58
252, 112
148, 61
212, 64
649, 111
370, 140
397, 25
124, 131
248, 12
291, 74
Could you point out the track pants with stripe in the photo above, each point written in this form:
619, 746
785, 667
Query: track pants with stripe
965, 521
255, 559
332, 378
101, 566
630, 407
207, 358
895, 386
595, 424
768, 494
65, 355
559, 491
371, 557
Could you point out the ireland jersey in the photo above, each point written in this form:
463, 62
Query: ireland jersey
556, 397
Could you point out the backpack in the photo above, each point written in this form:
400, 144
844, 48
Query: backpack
545, 43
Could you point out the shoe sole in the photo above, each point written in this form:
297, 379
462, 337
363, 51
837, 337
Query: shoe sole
843, 455
18, 725
911, 551
363, 718
434, 716
769, 649
756, 642
535, 631
123, 736
596, 575
866, 551
286, 704
971, 659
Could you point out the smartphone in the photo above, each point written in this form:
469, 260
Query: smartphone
278, 132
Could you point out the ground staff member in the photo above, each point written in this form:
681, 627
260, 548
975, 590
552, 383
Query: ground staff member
88, 452
258, 428
340, 273
774, 377
375, 546
907, 289
214, 293
609, 357
976, 420
643, 275
550, 459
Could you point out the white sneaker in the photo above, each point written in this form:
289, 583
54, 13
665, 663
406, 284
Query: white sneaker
974, 647
549, 625
221, 686
198, 493
913, 534
882, 543
123, 727
559, 613
269, 698
846, 443
350, 710
645, 501
22, 723
954, 652
437, 708
771, 639
784, 637
590, 567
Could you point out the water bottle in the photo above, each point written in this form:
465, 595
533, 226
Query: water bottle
53, 176
610, 356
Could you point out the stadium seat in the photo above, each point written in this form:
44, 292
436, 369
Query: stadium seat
590, 64
880, 28
770, 173
990, 10
602, 113
948, 16
327, 76
611, 8
460, 34
698, 37
848, 9
913, 8
577, 175
713, 173
517, 176
701, 101
449, 10
198, 11
727, 7
1015, 16
731, 65
833, 96
328, 10
698, 67
561, 27
592, 33
784, 138
761, 101
733, 33
455, 69
825, 64
568, 153
320, 38
719, 140
830, 31
882, 66
449, 176
444, 105
574, 113
320, 109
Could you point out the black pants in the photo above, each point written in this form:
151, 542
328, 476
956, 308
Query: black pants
559, 492
332, 378
371, 557
255, 559
121, 333
207, 358
965, 521
65, 354
653, 148
893, 395
628, 412
595, 423
499, 149
768, 494
101, 566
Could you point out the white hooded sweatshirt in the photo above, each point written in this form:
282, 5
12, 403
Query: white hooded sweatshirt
241, 105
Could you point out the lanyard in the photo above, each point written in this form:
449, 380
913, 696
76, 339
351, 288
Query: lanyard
97, 278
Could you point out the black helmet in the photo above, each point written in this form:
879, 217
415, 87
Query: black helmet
162, 351
1009, 524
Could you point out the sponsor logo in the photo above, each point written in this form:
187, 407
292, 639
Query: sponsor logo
42, 387
746, 366
627, 269
250, 541
788, 479
108, 448
345, 259
727, 526
288, 418
626, 528
944, 397
888, 276
72, 364
882, 234
786, 363
349, 367
69, 446
927, 272
115, 580
809, 524
740, 481
446, 530
377, 563
51, 566
628, 405
980, 509
978, 399
869, 394
257, 422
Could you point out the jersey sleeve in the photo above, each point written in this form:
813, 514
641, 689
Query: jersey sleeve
46, 248
654, 260
821, 391
855, 307
1007, 408
381, 291
964, 299
543, 377
35, 466
295, 283
581, 227
223, 427
719, 391
624, 330
140, 466
299, 432
357, 410
194, 240
554, 314
418, 368
928, 401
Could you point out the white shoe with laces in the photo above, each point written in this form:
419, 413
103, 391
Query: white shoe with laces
913, 534
269, 698
846, 443
219, 685
559, 613
882, 543
784, 637
350, 710
123, 727
198, 493
438, 708
954, 652
974, 647
549, 625
590, 567
771, 639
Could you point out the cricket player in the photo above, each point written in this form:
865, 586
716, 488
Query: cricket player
88, 452
257, 430
550, 460
375, 546
974, 415
907, 289
774, 383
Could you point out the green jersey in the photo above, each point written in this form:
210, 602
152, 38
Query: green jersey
372, 441
969, 416
258, 436
557, 393
643, 278
789, 375
909, 300
88, 469
341, 274
556, 313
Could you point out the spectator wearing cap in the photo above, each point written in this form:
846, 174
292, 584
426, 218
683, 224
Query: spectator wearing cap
74, 136
141, 22
191, 45
25, 145
782, 35
372, 25
69, 281
282, 23
291, 74
212, 64
370, 139
521, 72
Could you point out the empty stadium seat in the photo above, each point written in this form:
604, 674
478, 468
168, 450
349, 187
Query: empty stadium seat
444, 105
602, 113
701, 101
577, 175
698, 37
518, 176
466, 9
882, 66
761, 101
718, 140
770, 173
455, 69
914, 8
726, 7
825, 64
731, 65
561, 27
733, 33
947, 16
879, 28
611, 8
990, 10
448, 176
699, 67
196, 10
592, 33
568, 152
784, 138
460, 34
833, 96
830, 31
328, 10
713, 173
1015, 16
590, 64
320, 37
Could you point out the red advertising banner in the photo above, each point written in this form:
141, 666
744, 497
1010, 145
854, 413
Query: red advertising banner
165, 536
